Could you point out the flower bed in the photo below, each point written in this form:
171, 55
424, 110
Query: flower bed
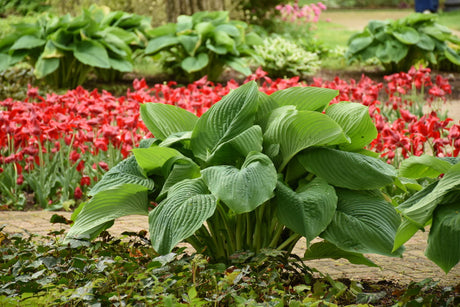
52, 148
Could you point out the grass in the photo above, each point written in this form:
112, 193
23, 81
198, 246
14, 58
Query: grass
450, 19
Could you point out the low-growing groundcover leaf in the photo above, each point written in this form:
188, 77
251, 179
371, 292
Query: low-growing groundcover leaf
45, 273
438, 205
254, 172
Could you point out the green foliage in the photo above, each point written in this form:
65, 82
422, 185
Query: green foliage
403, 43
436, 205
203, 44
65, 49
285, 58
253, 172
22, 7
126, 271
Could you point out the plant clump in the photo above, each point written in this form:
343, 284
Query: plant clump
284, 57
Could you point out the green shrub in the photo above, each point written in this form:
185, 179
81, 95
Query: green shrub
436, 205
203, 44
283, 57
22, 7
65, 49
401, 44
261, 171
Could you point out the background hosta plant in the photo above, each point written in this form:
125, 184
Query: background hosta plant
283, 57
254, 171
400, 44
203, 44
65, 49
436, 205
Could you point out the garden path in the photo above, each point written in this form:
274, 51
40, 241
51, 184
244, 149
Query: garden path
413, 267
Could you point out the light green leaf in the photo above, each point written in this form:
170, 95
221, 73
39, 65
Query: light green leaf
224, 39
176, 218
120, 65
289, 131
355, 121
239, 64
92, 53
151, 160
347, 169
203, 28
226, 119
176, 170
184, 23
216, 49
253, 38
44, 67
266, 105
363, 223
423, 166
325, 250
421, 211
237, 148
453, 56
444, 239
195, 63
406, 230
164, 30
163, 119
28, 42
406, 35
426, 42
127, 171
358, 43
105, 206
243, 190
51, 51
307, 212
392, 51
229, 29
305, 98
160, 43
190, 43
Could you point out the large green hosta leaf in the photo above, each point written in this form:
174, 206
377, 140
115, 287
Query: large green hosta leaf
243, 190
127, 171
347, 169
238, 147
307, 211
107, 205
356, 123
151, 160
305, 98
163, 119
183, 212
420, 212
178, 169
406, 35
324, 250
363, 223
444, 239
225, 120
289, 131
423, 166
92, 53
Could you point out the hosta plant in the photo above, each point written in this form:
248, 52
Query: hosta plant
400, 44
283, 57
437, 206
253, 172
203, 44
65, 49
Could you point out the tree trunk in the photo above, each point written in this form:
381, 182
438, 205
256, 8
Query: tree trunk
174, 8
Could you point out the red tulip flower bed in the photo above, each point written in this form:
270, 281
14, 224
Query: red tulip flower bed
52, 148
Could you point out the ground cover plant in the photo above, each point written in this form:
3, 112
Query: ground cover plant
400, 44
40, 271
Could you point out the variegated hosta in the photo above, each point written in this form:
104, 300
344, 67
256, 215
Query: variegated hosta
437, 205
253, 172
